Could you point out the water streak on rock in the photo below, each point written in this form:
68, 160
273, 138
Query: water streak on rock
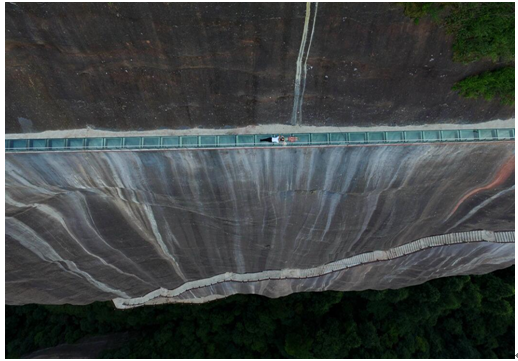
94, 226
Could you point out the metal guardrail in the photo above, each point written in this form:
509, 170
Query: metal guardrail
253, 140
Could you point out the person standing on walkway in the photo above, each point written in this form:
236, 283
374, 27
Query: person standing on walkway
276, 139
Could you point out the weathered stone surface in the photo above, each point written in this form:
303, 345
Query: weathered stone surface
149, 66
462, 259
83, 227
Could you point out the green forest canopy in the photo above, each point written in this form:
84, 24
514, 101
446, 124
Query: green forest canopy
454, 317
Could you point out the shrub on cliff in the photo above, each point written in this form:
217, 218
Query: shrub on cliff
482, 30
418, 10
488, 85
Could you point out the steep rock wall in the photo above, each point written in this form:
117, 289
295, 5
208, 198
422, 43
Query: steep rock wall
148, 66
83, 227
412, 269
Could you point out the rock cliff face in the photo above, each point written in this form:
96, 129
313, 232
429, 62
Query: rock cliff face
84, 227
146, 227
148, 66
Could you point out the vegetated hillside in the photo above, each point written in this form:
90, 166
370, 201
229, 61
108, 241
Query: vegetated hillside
148, 66
454, 317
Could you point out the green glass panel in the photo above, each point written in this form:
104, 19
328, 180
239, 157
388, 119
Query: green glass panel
338, 138
227, 140
395, 137
431, 135
319, 138
170, 141
357, 138
19, 144
467, 135
38, 144
75, 143
208, 141
113, 143
449, 135
190, 141
57, 144
132, 142
245, 140
413, 136
375, 137
151, 142
485, 134
504, 134
94, 143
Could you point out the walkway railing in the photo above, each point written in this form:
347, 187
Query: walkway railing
251, 140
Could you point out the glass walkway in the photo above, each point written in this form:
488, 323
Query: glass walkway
251, 140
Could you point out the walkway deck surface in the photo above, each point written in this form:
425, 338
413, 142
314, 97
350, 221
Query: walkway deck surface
253, 140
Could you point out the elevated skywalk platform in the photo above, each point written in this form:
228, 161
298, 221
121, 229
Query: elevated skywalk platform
253, 140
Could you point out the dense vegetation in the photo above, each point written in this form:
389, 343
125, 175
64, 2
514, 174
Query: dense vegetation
455, 317
483, 30
480, 31
489, 84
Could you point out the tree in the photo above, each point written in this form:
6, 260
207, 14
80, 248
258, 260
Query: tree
488, 85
